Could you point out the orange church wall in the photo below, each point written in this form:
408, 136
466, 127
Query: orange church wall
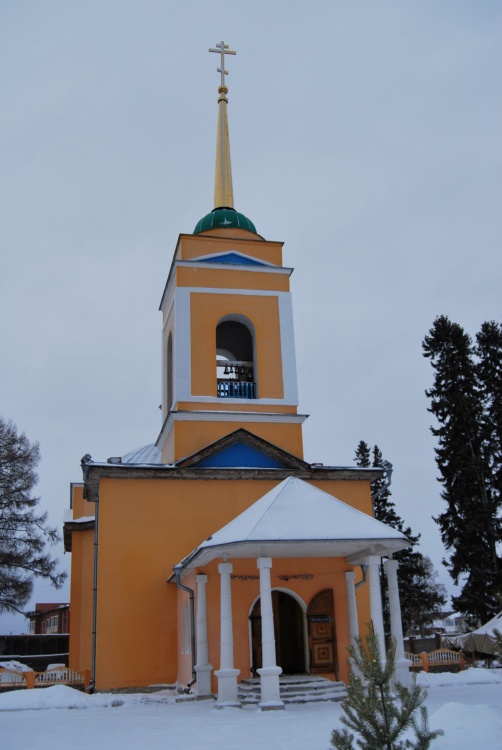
135, 560
189, 440
223, 405
356, 493
81, 584
191, 247
217, 278
80, 506
147, 526
206, 310
81, 588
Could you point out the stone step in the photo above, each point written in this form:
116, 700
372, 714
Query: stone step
295, 689
297, 680
298, 689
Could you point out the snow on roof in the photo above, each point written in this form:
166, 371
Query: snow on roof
68, 517
297, 512
494, 624
148, 454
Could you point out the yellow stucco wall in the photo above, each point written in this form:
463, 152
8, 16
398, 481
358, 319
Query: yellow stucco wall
206, 311
217, 278
191, 247
81, 585
147, 526
193, 436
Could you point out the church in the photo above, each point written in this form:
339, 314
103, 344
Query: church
218, 554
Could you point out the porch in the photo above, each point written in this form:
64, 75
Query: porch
295, 521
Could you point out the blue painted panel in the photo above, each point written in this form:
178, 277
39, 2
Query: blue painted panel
239, 455
232, 259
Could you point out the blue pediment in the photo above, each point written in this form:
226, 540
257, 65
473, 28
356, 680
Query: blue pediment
233, 259
239, 455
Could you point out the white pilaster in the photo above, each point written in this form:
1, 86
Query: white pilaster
227, 675
269, 671
402, 672
376, 601
203, 668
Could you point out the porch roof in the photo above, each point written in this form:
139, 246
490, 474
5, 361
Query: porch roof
296, 519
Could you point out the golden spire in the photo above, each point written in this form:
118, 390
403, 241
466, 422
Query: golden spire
223, 190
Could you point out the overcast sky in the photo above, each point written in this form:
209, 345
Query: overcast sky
365, 135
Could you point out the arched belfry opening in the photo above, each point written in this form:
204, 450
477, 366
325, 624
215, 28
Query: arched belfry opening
235, 370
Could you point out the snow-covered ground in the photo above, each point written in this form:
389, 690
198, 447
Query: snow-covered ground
467, 706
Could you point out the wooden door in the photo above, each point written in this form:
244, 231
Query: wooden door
322, 634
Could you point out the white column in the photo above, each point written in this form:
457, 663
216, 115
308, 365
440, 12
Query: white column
203, 668
402, 672
269, 672
350, 577
227, 675
376, 601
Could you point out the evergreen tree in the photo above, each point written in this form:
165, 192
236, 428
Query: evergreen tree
23, 531
465, 399
378, 714
420, 594
363, 455
489, 373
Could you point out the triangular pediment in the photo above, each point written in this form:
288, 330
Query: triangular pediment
231, 258
242, 450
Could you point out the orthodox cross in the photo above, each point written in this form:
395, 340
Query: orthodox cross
222, 49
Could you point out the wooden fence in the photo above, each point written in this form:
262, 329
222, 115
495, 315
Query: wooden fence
11, 679
442, 658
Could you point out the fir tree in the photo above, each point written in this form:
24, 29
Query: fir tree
488, 351
420, 594
377, 714
465, 399
23, 531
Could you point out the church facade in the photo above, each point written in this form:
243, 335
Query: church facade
218, 552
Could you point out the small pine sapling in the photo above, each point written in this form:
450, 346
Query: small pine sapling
378, 715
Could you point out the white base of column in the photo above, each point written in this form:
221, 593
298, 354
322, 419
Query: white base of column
402, 672
204, 680
353, 668
270, 689
227, 688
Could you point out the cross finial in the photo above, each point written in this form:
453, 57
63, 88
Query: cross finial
223, 50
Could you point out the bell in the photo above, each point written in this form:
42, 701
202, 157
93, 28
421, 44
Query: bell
226, 371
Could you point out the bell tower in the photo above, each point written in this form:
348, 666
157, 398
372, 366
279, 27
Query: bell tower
228, 344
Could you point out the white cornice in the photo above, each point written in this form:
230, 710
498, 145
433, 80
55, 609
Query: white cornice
283, 270
226, 416
237, 416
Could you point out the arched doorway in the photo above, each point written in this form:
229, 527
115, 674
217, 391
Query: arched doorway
289, 631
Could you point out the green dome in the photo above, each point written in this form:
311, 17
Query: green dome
224, 217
